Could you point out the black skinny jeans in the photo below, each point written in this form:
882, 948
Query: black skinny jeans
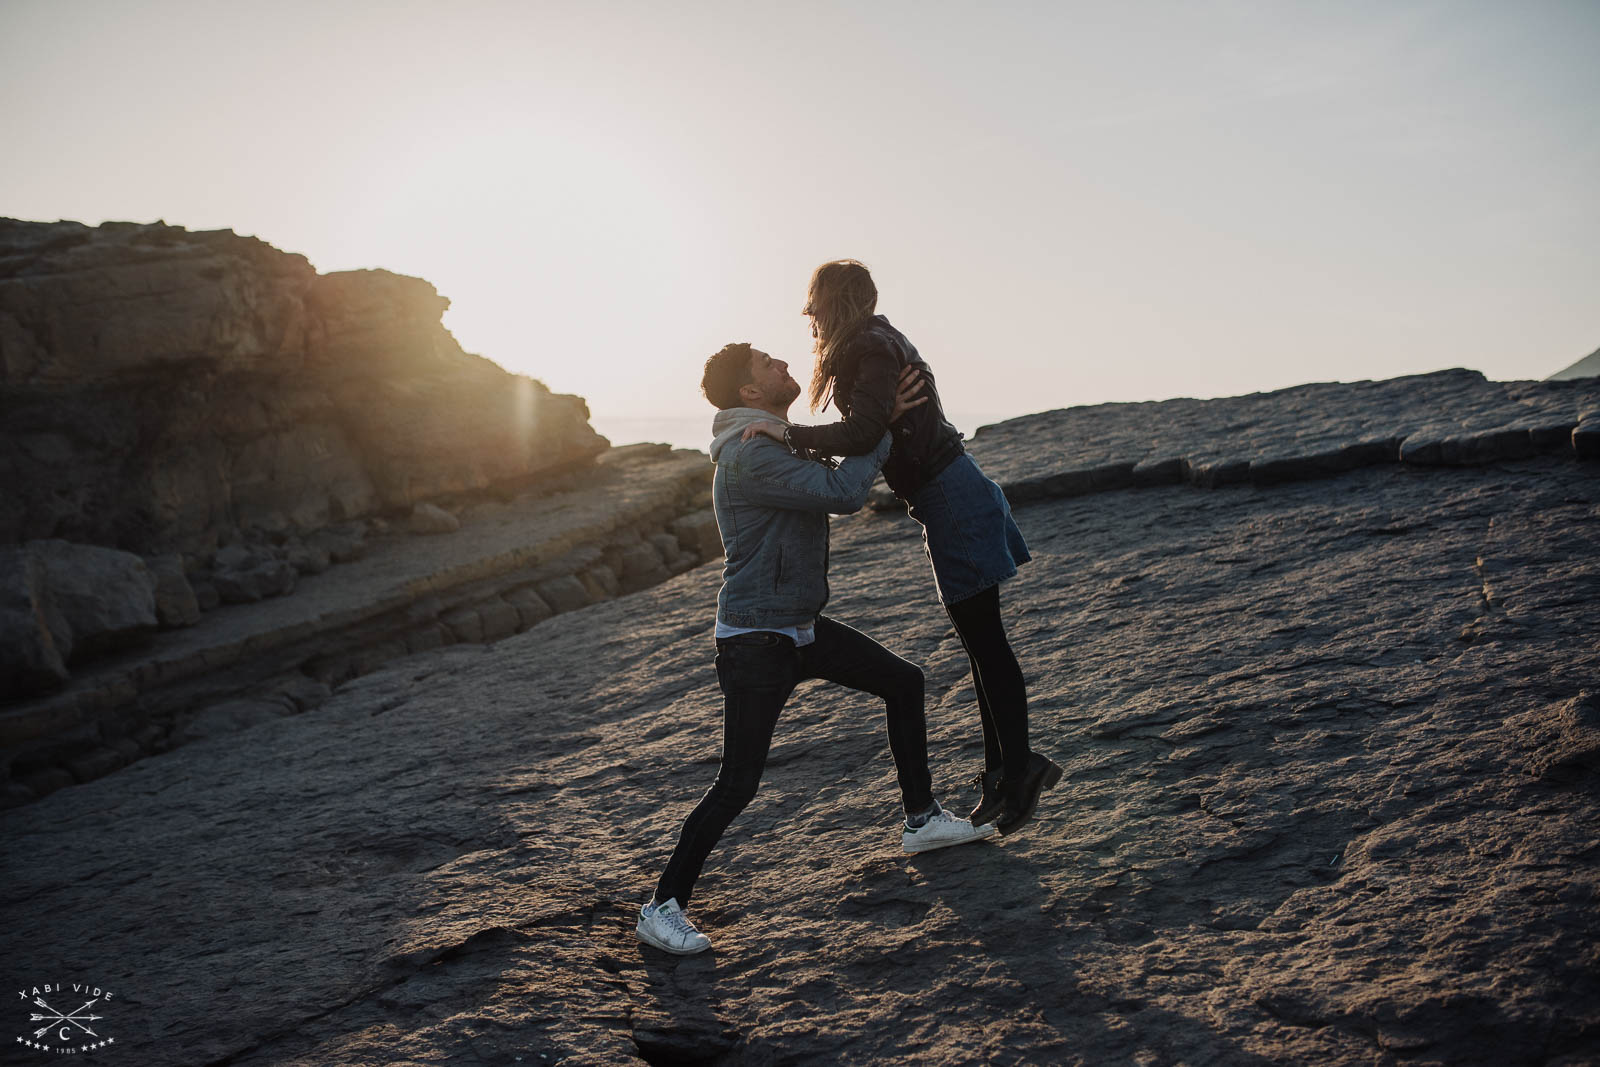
996, 675
757, 672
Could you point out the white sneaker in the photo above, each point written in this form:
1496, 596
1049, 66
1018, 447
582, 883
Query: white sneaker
942, 830
666, 927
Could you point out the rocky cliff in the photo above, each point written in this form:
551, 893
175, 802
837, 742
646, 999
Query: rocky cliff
1328, 708
205, 417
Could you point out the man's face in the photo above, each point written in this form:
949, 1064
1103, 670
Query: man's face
771, 377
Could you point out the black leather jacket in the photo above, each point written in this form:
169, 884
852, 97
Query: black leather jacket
924, 441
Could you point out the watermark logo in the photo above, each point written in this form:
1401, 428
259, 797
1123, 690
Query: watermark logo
66, 1031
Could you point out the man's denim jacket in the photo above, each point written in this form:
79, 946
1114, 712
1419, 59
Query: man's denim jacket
772, 510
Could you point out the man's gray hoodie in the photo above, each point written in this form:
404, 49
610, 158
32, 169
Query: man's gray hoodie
772, 510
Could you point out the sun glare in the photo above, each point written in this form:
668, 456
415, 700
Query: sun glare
559, 245
526, 416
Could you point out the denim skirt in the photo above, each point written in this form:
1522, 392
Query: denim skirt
967, 530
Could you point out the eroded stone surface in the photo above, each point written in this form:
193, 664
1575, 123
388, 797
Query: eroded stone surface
1331, 797
1454, 417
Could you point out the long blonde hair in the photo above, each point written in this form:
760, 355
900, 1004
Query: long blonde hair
840, 301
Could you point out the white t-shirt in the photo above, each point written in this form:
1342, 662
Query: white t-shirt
800, 635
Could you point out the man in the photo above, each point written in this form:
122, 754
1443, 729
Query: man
772, 508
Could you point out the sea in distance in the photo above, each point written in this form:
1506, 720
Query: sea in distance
694, 431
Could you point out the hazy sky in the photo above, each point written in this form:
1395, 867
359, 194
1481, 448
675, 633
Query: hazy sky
1063, 203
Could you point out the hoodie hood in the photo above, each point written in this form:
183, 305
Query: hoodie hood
730, 423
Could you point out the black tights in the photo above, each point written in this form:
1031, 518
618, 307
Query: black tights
1002, 695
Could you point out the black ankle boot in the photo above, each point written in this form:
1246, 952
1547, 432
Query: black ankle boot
1022, 797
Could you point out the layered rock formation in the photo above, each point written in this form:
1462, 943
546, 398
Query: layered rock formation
1332, 744
638, 517
205, 398
1448, 418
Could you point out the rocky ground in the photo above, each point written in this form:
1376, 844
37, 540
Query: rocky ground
428, 691
1333, 763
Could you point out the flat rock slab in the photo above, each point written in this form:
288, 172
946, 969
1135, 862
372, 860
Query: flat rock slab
1454, 417
1332, 796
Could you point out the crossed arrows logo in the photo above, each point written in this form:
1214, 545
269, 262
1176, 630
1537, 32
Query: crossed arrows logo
55, 1018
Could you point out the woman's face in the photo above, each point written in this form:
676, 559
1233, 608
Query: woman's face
810, 312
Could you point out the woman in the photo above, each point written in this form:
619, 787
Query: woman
968, 532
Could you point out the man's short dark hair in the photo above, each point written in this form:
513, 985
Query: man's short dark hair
725, 373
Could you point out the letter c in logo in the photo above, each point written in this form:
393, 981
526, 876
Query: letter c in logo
64, 1033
